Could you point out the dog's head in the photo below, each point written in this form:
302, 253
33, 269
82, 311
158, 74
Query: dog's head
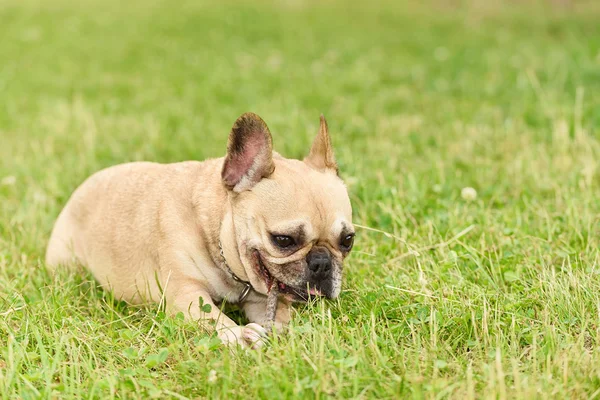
292, 219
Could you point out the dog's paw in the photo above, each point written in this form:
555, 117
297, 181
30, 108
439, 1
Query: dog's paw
230, 336
251, 336
255, 335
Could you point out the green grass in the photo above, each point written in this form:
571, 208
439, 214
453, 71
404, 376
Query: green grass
497, 297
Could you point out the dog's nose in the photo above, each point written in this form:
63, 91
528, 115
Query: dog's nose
319, 262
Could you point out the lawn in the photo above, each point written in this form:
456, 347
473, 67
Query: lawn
445, 295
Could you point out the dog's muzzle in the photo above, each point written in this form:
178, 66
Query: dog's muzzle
320, 271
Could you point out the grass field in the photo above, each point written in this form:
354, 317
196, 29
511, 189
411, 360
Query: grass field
494, 297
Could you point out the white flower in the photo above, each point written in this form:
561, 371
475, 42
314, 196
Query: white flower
8, 180
212, 376
468, 193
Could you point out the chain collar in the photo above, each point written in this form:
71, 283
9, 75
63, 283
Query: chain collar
247, 285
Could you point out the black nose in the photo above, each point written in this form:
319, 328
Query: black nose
319, 262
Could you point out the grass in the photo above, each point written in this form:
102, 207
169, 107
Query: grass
498, 297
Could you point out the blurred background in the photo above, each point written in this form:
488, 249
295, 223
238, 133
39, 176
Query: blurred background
89, 84
423, 100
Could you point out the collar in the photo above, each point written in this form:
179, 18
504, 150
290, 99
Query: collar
247, 285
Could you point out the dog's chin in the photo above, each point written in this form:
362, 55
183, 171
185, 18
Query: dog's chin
294, 293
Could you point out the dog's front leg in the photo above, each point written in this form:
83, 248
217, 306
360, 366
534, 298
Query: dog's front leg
185, 297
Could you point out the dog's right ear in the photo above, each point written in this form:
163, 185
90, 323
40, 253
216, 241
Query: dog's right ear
249, 153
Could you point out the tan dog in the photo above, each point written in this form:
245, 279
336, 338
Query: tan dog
226, 229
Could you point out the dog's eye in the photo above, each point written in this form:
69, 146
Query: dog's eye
283, 241
347, 242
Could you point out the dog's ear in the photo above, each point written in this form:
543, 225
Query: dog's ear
321, 154
249, 153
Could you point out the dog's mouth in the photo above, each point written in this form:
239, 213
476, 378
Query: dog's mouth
290, 292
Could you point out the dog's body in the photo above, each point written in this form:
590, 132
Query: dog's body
150, 231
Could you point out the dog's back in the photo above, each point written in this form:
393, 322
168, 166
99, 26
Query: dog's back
112, 224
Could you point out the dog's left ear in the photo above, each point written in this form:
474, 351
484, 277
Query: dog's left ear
321, 154
249, 153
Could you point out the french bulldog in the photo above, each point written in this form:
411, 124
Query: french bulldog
222, 230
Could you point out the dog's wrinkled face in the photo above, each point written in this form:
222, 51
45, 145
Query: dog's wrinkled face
293, 220
296, 227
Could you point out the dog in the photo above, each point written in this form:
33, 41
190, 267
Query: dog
223, 230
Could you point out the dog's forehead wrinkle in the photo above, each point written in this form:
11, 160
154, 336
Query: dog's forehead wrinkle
297, 228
